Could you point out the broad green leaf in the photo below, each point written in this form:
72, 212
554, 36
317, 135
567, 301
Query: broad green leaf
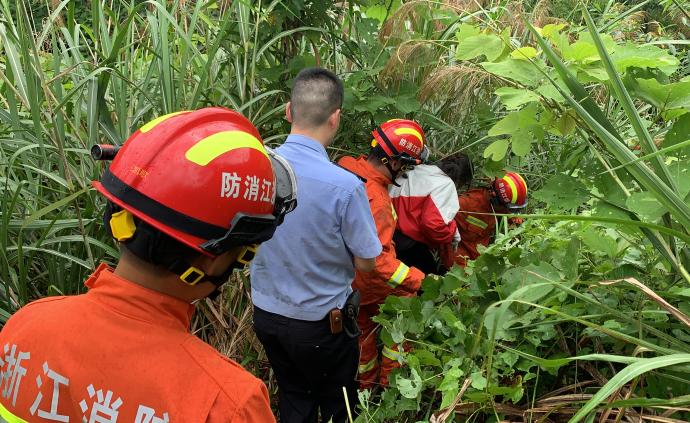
521, 119
547, 90
410, 388
646, 56
679, 132
478, 380
488, 45
521, 141
497, 149
450, 385
548, 31
594, 73
524, 53
520, 71
646, 206
597, 240
563, 192
513, 98
581, 52
406, 103
565, 124
665, 97
466, 31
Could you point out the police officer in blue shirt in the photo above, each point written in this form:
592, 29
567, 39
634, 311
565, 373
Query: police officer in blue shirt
301, 277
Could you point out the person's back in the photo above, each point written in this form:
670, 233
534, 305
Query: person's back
426, 201
121, 352
304, 307
397, 144
476, 223
476, 219
284, 283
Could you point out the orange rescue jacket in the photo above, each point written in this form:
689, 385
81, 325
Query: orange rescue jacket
119, 353
475, 229
391, 276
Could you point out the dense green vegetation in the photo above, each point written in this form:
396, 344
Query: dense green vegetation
581, 314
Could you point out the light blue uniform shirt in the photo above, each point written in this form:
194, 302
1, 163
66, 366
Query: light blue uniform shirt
306, 269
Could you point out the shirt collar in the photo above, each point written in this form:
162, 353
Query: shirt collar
310, 143
137, 302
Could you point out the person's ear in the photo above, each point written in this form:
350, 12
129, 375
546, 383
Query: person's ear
396, 164
215, 266
288, 112
334, 120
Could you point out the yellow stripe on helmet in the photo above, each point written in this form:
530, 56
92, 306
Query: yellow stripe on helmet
213, 146
6, 416
522, 180
409, 131
513, 188
149, 126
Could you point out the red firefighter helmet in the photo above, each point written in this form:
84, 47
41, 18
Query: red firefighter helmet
202, 177
511, 190
402, 139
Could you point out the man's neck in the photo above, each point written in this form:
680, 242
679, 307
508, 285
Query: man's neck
318, 134
132, 268
380, 167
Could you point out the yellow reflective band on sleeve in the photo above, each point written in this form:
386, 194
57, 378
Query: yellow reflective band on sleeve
476, 222
366, 367
7, 417
214, 146
399, 275
513, 188
409, 131
149, 126
395, 214
392, 354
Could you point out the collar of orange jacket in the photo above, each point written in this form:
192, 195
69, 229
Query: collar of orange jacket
137, 302
363, 168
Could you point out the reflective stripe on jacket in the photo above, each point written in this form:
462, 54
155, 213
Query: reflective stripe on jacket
390, 274
119, 353
475, 229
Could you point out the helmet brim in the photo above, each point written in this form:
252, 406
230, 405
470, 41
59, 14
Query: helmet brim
183, 237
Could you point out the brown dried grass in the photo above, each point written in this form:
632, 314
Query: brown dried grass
407, 61
460, 85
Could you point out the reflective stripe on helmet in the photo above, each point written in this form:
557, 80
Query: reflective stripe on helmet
149, 126
399, 275
213, 146
410, 131
6, 416
513, 188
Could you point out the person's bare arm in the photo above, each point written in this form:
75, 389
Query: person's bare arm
365, 265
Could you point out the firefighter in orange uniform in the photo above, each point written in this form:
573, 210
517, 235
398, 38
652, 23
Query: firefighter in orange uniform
476, 221
189, 196
398, 144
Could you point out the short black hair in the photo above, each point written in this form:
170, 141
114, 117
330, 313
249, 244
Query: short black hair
316, 94
458, 167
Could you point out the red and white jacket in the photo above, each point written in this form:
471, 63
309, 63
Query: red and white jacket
426, 203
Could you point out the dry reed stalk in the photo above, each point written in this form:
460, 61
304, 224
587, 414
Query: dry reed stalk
541, 13
461, 85
406, 56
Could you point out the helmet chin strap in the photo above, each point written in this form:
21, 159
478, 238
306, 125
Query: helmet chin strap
394, 173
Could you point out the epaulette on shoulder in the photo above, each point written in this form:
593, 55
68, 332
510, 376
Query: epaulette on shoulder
361, 178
